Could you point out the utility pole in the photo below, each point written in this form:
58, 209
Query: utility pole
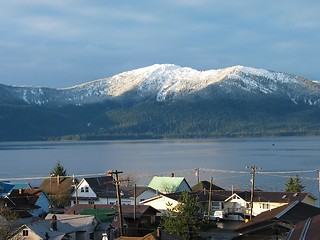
75, 187
119, 201
135, 203
253, 174
210, 198
135, 208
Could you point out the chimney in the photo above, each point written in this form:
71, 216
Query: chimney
20, 191
104, 236
54, 223
158, 233
58, 179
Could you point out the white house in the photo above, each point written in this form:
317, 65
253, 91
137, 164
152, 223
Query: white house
141, 194
144, 193
98, 190
160, 202
239, 201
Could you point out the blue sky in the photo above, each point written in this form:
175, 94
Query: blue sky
62, 43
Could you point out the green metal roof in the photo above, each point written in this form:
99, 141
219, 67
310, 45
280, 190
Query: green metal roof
166, 184
102, 214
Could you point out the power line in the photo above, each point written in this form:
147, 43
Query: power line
191, 171
44, 177
292, 172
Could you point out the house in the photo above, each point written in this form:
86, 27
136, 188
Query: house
169, 184
155, 235
141, 193
143, 213
59, 227
5, 188
59, 188
277, 222
34, 202
98, 190
22, 185
163, 201
205, 186
234, 203
239, 201
307, 229
160, 202
135, 217
138, 219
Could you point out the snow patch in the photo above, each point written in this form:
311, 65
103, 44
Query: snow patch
169, 81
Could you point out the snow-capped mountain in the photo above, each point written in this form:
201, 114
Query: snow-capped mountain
160, 82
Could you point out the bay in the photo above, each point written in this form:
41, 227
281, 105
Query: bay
225, 160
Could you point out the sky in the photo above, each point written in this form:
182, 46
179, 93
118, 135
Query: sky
63, 43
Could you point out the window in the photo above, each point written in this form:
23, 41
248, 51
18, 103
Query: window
82, 189
91, 235
87, 189
216, 206
25, 233
90, 202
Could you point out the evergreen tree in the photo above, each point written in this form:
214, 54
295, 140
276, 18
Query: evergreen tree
58, 170
294, 185
185, 219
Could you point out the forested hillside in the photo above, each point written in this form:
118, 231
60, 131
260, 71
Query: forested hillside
169, 119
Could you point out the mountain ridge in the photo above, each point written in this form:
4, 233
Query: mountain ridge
168, 81
164, 101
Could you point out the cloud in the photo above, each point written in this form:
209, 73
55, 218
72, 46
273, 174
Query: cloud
81, 40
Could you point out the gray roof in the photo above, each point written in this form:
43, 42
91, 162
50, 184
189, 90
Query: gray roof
289, 213
103, 186
65, 224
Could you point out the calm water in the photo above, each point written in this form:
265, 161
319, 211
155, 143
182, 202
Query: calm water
144, 159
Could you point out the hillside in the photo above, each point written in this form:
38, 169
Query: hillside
165, 101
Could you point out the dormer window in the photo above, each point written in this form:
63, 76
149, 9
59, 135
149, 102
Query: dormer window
25, 233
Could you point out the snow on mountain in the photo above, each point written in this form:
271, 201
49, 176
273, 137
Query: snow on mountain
167, 81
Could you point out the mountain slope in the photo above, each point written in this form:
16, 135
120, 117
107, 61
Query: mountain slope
164, 101
167, 81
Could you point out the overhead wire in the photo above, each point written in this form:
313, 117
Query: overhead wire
189, 172
165, 173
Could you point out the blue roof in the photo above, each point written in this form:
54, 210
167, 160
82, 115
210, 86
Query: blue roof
5, 187
21, 185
